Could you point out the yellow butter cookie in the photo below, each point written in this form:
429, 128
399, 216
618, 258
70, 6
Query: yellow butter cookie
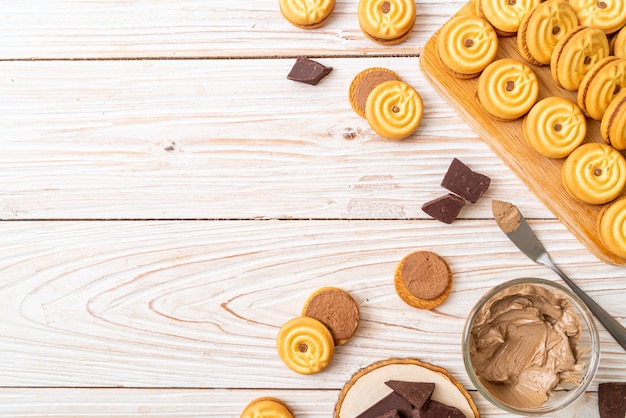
611, 227
386, 22
613, 125
394, 109
600, 85
575, 54
554, 127
307, 14
594, 173
305, 345
607, 15
507, 89
466, 45
505, 15
542, 28
618, 43
267, 407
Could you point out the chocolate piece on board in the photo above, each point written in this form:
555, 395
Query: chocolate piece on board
418, 393
434, 409
445, 208
391, 414
460, 179
389, 403
612, 399
308, 71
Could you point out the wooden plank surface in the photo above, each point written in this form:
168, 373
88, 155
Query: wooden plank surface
168, 199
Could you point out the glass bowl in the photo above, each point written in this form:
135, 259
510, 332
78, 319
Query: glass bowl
587, 348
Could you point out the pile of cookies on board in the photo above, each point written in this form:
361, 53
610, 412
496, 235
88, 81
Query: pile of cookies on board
583, 43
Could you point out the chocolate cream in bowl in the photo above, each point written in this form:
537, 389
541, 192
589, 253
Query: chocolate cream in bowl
523, 344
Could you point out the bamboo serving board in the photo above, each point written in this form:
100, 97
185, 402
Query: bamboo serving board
542, 175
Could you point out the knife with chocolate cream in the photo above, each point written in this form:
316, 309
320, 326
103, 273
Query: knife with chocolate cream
512, 223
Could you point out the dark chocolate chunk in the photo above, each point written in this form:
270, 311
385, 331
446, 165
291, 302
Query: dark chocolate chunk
434, 409
389, 403
460, 179
418, 393
445, 208
612, 399
308, 71
391, 414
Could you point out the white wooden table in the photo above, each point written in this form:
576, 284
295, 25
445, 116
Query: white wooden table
169, 199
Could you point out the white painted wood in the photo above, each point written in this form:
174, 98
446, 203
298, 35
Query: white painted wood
192, 28
214, 139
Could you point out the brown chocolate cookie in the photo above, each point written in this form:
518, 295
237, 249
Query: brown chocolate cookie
363, 84
423, 280
336, 309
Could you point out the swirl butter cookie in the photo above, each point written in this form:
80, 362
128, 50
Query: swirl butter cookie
611, 227
307, 14
575, 54
594, 173
305, 345
386, 22
613, 125
507, 89
618, 43
466, 45
394, 109
542, 28
336, 309
607, 15
505, 15
600, 85
423, 279
554, 127
363, 84
267, 407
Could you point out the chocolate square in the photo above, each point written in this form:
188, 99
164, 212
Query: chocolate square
445, 208
612, 399
434, 409
307, 71
389, 403
418, 393
391, 414
460, 179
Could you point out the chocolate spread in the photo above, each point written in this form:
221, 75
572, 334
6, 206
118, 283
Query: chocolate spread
507, 215
523, 344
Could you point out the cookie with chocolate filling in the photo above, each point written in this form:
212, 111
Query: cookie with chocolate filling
423, 280
336, 309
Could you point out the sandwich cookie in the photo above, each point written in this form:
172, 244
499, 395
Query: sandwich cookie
507, 89
466, 45
307, 14
336, 309
267, 407
554, 127
575, 54
618, 43
541, 29
363, 84
386, 22
394, 109
505, 15
423, 280
613, 125
305, 345
594, 173
612, 227
600, 85
607, 15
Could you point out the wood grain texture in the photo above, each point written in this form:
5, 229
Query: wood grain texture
541, 174
71, 29
213, 139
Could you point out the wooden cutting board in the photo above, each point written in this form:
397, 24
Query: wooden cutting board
542, 175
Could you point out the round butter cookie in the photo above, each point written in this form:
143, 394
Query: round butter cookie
594, 173
507, 89
423, 279
386, 22
505, 15
267, 407
618, 43
600, 85
336, 309
394, 109
466, 45
363, 84
613, 125
307, 14
554, 127
607, 15
611, 227
575, 54
542, 28
305, 345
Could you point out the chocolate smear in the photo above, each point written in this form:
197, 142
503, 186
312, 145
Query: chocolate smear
460, 179
445, 208
307, 71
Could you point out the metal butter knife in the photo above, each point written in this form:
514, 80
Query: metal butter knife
513, 224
